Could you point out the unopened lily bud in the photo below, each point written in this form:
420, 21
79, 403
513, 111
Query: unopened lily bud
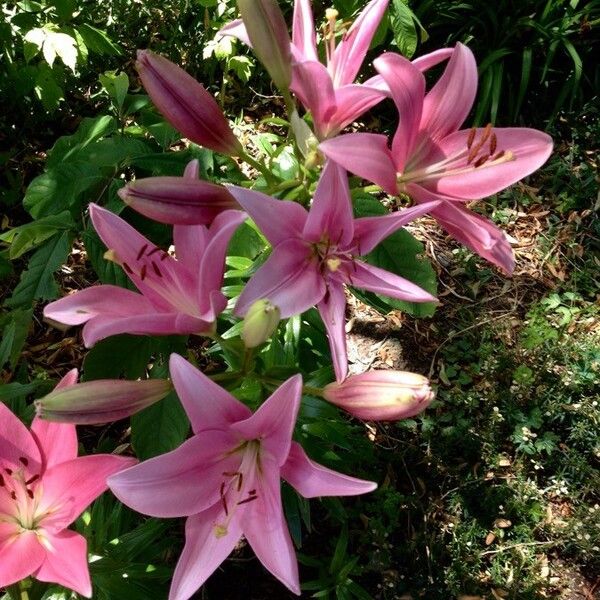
381, 395
185, 103
101, 401
177, 200
269, 37
260, 322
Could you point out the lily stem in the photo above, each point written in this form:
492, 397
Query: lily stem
260, 167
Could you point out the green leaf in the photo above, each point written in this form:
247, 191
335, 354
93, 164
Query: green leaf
47, 88
116, 86
402, 254
14, 334
61, 45
89, 130
97, 41
246, 242
159, 428
59, 188
404, 28
28, 236
37, 282
117, 356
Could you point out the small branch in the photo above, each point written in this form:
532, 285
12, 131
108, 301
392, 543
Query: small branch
522, 545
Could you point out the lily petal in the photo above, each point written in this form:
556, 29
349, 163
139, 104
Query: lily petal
179, 483
427, 61
312, 480
57, 441
151, 323
279, 220
204, 551
303, 31
177, 200
236, 29
208, 405
330, 214
20, 556
529, 148
76, 483
407, 86
273, 423
333, 312
66, 563
212, 263
366, 155
351, 102
450, 100
266, 529
377, 280
290, 279
98, 300
350, 52
477, 233
18, 448
312, 84
190, 244
369, 231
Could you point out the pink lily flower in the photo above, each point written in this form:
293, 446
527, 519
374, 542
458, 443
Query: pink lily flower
176, 295
226, 479
432, 159
44, 487
328, 91
315, 253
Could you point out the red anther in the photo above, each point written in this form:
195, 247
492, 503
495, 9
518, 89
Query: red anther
30, 494
23, 460
141, 252
224, 502
240, 479
127, 268
164, 255
493, 143
481, 160
8, 471
154, 250
230, 473
252, 493
499, 155
143, 273
13, 495
156, 269
1, 480
471, 137
32, 479
247, 500
482, 140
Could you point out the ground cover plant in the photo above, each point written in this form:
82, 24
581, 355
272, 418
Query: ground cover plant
228, 307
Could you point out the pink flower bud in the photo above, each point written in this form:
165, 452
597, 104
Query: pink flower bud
269, 37
100, 401
177, 200
185, 103
381, 395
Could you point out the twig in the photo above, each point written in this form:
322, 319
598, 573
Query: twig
522, 545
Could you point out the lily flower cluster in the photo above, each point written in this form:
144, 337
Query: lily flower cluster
225, 479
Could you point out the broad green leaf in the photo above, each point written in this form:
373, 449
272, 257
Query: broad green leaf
37, 282
47, 88
14, 334
97, 41
246, 242
30, 235
89, 130
61, 45
117, 356
116, 86
404, 28
402, 254
59, 188
159, 428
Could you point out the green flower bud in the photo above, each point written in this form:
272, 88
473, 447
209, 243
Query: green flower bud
260, 322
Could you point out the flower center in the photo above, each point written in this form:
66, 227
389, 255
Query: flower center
23, 496
148, 267
480, 152
238, 487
